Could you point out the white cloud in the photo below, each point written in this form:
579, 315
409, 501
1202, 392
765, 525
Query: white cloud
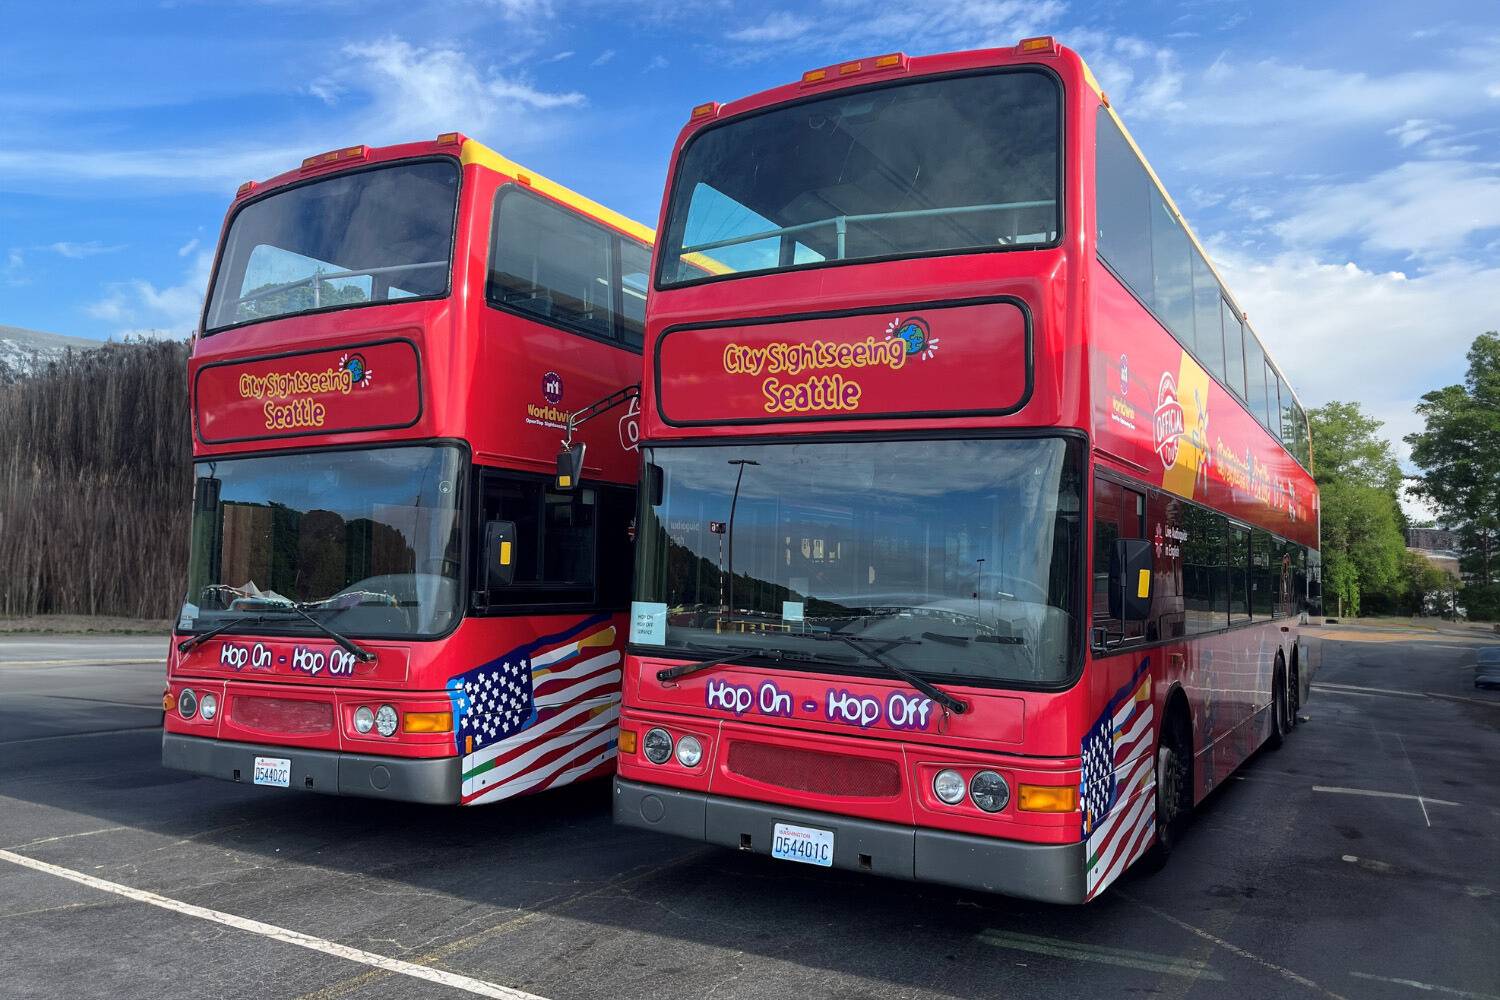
560, 56
141, 308
604, 57
188, 247
78, 251
778, 26
657, 62
1413, 131
1421, 207
1340, 331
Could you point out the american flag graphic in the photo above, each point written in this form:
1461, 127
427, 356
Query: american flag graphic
1118, 780
544, 714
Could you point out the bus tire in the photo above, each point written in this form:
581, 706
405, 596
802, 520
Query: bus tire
1293, 695
1174, 783
1278, 708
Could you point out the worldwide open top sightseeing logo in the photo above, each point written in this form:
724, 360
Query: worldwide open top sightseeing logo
359, 372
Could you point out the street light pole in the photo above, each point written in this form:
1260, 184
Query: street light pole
734, 502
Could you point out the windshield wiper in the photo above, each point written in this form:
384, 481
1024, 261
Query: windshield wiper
731, 656
193, 642
937, 694
358, 652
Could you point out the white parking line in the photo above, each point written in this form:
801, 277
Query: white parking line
1356, 689
1336, 790
451, 979
1429, 987
98, 662
1125, 957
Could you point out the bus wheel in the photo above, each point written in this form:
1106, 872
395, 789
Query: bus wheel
1174, 794
1278, 708
1293, 697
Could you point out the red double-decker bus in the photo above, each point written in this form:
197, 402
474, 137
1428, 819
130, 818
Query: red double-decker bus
386, 595
978, 524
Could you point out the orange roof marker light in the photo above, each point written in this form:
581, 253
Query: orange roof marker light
450, 138
244, 189
336, 156
708, 110
889, 61
1043, 43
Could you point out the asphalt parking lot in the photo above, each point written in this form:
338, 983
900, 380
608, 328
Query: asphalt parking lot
1361, 860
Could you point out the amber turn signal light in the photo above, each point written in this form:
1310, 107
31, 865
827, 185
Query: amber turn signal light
627, 741
1047, 798
427, 722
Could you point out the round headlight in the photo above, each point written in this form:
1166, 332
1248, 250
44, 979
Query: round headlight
657, 746
385, 721
948, 786
989, 791
208, 706
187, 703
364, 720
689, 751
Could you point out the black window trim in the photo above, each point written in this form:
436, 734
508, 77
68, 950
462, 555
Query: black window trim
213, 278
1137, 644
657, 284
466, 536
487, 473
614, 339
1082, 578
1224, 297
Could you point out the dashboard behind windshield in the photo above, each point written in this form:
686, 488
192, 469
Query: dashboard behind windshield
953, 559
369, 540
352, 239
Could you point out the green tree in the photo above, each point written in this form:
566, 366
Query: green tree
1363, 545
1458, 451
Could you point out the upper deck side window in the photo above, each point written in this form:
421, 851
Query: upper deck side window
554, 265
925, 166
1144, 243
357, 238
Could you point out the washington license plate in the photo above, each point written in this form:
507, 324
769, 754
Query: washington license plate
274, 771
802, 843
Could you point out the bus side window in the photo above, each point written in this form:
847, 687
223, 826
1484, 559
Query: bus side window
556, 536
551, 264
1166, 527
1239, 575
1118, 513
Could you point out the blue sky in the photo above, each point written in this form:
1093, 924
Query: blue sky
1339, 158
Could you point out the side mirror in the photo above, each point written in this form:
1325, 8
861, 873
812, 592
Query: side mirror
500, 553
570, 467
1130, 566
655, 484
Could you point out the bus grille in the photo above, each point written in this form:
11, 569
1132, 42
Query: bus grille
292, 716
815, 772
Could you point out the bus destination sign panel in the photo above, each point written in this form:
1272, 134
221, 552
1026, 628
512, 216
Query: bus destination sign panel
370, 387
968, 358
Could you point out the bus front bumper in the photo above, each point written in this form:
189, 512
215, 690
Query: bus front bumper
1052, 873
431, 781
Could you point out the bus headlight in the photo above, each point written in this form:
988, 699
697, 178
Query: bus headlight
948, 786
689, 751
658, 746
386, 720
208, 707
364, 720
187, 703
989, 791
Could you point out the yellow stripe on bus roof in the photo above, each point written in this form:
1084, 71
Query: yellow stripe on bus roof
477, 152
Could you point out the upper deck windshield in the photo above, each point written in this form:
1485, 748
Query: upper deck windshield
352, 239
368, 542
931, 166
953, 559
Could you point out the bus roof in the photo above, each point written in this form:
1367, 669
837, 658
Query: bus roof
468, 151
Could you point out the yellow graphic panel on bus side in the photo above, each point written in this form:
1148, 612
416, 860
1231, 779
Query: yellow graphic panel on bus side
1190, 466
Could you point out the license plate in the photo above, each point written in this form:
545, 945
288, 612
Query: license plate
274, 771
802, 843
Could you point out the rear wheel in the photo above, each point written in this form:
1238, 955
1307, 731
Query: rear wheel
1174, 793
1279, 726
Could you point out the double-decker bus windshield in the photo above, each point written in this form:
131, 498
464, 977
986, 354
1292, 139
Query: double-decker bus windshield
950, 558
957, 163
351, 239
367, 542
